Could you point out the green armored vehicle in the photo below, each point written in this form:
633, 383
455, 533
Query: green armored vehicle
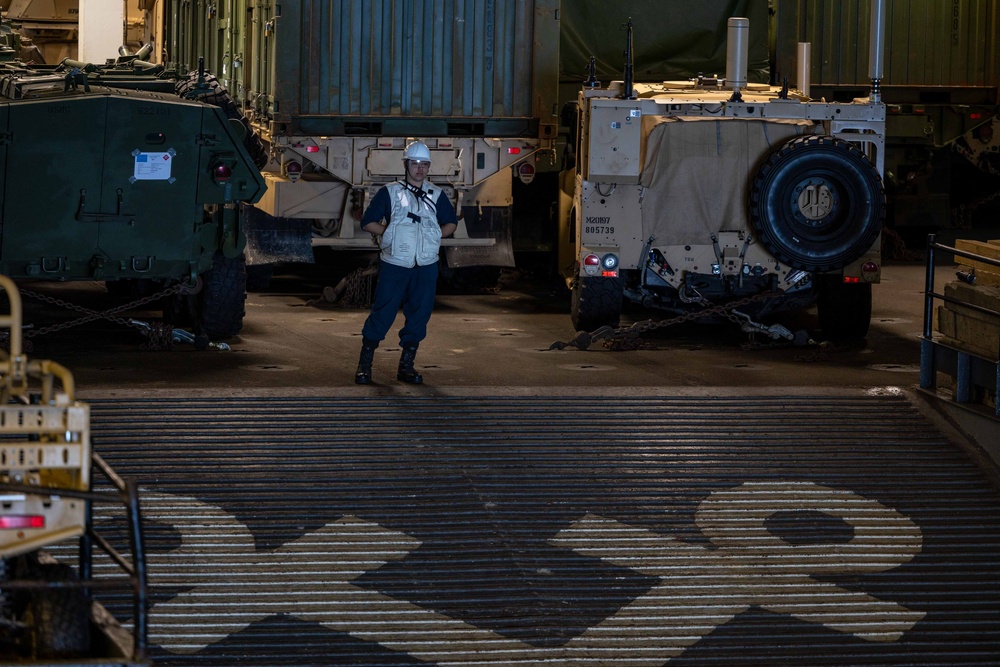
123, 180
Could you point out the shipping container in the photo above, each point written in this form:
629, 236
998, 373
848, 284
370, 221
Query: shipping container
336, 89
935, 51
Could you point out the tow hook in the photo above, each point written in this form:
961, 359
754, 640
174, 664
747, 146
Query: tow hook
176, 335
688, 294
192, 286
584, 339
775, 331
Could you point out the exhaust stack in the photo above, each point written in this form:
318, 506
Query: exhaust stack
803, 66
737, 48
876, 51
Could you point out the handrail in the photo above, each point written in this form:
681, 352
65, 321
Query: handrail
930, 294
969, 369
130, 495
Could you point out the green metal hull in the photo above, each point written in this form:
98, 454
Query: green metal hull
115, 185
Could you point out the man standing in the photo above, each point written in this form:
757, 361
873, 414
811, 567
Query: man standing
411, 215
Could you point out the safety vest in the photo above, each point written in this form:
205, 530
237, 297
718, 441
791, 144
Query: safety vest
413, 235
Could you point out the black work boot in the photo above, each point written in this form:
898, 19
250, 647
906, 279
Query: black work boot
406, 373
364, 372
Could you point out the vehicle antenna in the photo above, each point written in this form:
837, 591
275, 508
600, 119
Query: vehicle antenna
592, 81
628, 93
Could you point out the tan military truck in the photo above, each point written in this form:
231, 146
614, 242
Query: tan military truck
721, 196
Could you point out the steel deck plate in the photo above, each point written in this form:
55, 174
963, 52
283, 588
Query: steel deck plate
456, 530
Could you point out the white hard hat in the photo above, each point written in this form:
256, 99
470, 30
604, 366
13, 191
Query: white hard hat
417, 151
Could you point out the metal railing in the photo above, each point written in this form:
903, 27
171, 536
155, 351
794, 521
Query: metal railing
968, 368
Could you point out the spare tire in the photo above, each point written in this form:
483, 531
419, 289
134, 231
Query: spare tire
817, 203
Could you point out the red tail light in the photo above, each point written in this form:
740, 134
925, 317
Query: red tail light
870, 271
293, 170
221, 173
19, 521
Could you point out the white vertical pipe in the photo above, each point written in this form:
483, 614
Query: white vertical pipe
803, 67
876, 52
737, 49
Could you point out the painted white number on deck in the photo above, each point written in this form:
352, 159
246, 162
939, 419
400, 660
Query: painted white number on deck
228, 584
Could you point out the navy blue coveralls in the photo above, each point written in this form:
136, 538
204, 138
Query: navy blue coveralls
413, 288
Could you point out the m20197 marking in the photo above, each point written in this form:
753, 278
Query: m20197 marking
598, 224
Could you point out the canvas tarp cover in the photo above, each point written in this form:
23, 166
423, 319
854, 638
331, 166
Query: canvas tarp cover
671, 40
697, 173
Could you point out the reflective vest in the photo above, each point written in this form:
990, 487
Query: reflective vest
413, 235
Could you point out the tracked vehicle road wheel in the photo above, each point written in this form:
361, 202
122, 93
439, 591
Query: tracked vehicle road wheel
596, 302
845, 310
817, 203
217, 95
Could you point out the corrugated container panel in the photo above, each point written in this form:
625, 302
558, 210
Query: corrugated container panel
206, 29
928, 42
435, 58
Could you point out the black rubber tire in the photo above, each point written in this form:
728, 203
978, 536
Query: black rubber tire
217, 95
59, 617
222, 300
838, 224
844, 309
596, 302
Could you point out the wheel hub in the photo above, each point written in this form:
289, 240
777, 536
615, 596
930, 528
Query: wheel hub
815, 200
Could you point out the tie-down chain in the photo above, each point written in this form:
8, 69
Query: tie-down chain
628, 338
159, 335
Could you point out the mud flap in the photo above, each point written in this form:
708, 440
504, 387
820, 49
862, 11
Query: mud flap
493, 222
271, 240
233, 240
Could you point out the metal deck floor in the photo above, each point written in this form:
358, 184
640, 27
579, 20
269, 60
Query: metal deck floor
575, 530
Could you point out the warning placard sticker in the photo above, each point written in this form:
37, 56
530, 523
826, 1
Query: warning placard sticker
152, 166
